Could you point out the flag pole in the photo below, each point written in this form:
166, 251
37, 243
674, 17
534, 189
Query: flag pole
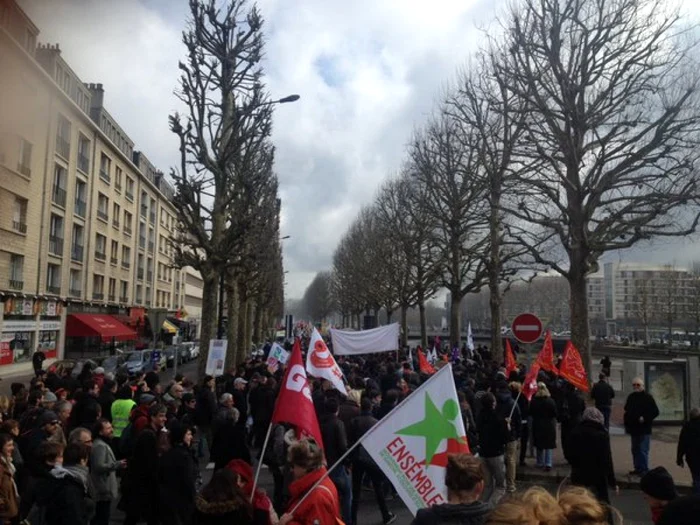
515, 404
260, 461
359, 441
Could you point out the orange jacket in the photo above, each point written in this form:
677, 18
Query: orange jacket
322, 504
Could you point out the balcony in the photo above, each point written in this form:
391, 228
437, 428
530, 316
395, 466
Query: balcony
142, 243
62, 147
97, 296
115, 223
126, 265
111, 298
55, 245
113, 260
123, 299
24, 170
100, 256
151, 246
127, 230
101, 214
75, 292
59, 196
104, 175
139, 274
54, 289
149, 276
76, 252
152, 217
16, 285
80, 208
129, 195
19, 226
148, 302
83, 164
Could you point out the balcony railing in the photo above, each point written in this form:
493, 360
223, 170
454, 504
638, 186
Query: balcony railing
152, 217
118, 186
76, 252
102, 215
139, 273
111, 297
19, 226
104, 175
24, 170
100, 256
55, 245
98, 296
62, 147
80, 208
83, 163
126, 265
123, 299
59, 196
75, 292
115, 223
113, 260
16, 285
53, 288
127, 230
129, 195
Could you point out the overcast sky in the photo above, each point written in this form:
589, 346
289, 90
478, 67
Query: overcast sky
368, 72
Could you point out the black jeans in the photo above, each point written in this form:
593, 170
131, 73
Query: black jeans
102, 513
375, 476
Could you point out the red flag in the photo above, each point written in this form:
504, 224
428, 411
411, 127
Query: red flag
423, 364
530, 384
511, 363
546, 356
294, 403
572, 368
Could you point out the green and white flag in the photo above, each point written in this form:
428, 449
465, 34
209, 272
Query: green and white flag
411, 443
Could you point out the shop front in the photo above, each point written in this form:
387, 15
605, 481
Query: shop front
27, 325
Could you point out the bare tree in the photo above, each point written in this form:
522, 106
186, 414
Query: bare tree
318, 297
643, 307
610, 98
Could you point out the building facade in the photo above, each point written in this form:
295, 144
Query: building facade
86, 221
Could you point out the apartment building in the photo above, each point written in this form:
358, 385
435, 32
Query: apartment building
86, 221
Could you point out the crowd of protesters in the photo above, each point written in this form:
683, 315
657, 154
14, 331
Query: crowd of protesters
72, 446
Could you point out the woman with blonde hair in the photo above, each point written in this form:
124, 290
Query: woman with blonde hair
536, 506
543, 411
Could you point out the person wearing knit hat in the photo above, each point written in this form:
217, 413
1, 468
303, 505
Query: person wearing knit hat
262, 506
590, 455
659, 489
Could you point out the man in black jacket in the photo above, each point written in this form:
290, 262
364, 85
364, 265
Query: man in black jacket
640, 412
335, 442
689, 447
603, 394
493, 435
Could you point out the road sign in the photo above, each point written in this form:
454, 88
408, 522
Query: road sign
527, 328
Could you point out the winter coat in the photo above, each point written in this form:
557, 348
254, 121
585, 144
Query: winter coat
505, 404
543, 411
228, 442
335, 440
322, 504
140, 484
103, 467
493, 433
603, 394
348, 411
461, 514
221, 513
9, 501
66, 497
640, 404
106, 398
590, 458
205, 408
177, 474
689, 445
85, 411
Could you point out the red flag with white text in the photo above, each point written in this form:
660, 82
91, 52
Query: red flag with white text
572, 368
546, 356
294, 404
530, 384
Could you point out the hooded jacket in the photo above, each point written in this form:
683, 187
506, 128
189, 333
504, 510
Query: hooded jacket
67, 497
460, 514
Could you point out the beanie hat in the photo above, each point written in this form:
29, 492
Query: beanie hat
593, 414
46, 417
50, 397
658, 484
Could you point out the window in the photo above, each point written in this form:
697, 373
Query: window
98, 283
105, 168
53, 279
29, 42
149, 270
118, 178
116, 213
140, 270
139, 294
24, 166
19, 215
160, 271
83, 154
59, 185
130, 189
16, 271
102, 207
75, 286
112, 290
142, 235
80, 198
114, 253
127, 222
144, 204
63, 137
100, 247
124, 291
148, 296
154, 205
151, 240
76, 251
56, 235
126, 256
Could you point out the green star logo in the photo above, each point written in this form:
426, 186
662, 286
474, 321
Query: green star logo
435, 426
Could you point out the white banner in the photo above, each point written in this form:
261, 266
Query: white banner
382, 339
216, 358
412, 442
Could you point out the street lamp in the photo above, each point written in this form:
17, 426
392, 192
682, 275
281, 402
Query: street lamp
220, 324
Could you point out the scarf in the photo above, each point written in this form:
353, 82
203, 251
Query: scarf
10, 467
78, 472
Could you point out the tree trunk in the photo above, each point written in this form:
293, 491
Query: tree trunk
455, 319
578, 305
495, 306
240, 340
388, 315
257, 323
249, 314
209, 315
423, 325
232, 320
404, 327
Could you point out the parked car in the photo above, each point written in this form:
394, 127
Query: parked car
142, 361
113, 364
192, 349
170, 355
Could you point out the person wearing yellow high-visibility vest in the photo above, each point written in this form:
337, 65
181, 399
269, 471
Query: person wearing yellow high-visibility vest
121, 410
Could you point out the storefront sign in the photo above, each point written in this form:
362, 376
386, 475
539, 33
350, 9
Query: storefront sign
19, 326
49, 325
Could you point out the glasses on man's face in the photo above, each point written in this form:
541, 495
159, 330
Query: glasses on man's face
53, 423
636, 385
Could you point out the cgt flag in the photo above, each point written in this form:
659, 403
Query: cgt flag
545, 359
321, 363
511, 363
572, 368
412, 442
294, 404
530, 384
423, 364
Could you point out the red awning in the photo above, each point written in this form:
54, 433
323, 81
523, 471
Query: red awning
96, 325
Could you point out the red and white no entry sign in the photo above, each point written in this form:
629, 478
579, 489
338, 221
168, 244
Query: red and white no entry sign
527, 328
